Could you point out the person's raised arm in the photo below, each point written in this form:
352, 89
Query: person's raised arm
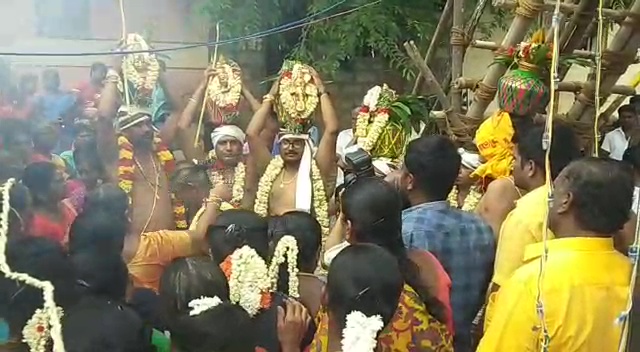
260, 150
326, 156
253, 102
107, 110
219, 194
170, 127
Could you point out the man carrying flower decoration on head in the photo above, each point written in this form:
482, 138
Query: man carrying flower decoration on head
295, 179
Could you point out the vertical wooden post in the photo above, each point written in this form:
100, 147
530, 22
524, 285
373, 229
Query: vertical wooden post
457, 53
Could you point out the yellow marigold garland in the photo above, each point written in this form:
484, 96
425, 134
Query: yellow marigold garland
320, 206
126, 169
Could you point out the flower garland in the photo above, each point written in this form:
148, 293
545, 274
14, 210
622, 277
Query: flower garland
320, 205
470, 202
126, 169
360, 333
45, 322
373, 116
297, 96
248, 278
203, 304
239, 176
286, 249
224, 90
143, 69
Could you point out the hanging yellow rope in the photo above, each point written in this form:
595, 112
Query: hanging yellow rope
546, 145
213, 62
600, 40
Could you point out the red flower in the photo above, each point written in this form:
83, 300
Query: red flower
525, 51
287, 74
364, 110
40, 329
384, 111
511, 51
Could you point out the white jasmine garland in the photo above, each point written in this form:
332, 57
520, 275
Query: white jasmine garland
203, 304
249, 279
286, 249
360, 332
371, 98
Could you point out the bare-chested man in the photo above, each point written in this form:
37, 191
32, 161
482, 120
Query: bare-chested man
152, 206
291, 188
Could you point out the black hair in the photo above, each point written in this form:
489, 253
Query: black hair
12, 165
39, 178
101, 274
602, 192
521, 125
626, 109
564, 147
101, 325
186, 279
11, 130
374, 209
236, 228
43, 259
96, 229
89, 154
98, 66
227, 327
434, 163
188, 173
364, 278
635, 99
632, 157
224, 328
308, 234
110, 198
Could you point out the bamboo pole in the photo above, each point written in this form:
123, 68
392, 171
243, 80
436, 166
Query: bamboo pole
435, 40
526, 12
430, 79
457, 52
585, 54
470, 29
624, 44
568, 86
568, 8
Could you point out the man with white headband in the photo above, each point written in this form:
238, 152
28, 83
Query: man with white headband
466, 193
296, 179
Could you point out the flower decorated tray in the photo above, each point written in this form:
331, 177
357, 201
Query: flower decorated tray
143, 69
373, 116
224, 91
298, 97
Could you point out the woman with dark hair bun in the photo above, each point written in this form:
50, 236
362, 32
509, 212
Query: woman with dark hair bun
364, 295
238, 242
372, 213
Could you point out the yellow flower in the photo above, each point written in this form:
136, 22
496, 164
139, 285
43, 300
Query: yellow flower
538, 37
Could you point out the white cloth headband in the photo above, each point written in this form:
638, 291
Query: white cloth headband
131, 116
469, 160
304, 189
227, 131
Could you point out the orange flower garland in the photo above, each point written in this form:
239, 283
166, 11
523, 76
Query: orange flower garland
126, 169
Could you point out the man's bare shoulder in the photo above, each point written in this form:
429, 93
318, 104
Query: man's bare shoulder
500, 186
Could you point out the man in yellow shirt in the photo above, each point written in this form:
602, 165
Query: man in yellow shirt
584, 287
524, 224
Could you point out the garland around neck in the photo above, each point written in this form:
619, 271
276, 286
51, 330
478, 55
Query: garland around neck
320, 206
126, 175
239, 176
470, 202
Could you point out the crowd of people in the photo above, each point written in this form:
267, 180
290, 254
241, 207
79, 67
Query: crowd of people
249, 241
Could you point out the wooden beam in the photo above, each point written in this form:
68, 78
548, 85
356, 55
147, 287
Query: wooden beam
457, 52
441, 29
430, 79
568, 8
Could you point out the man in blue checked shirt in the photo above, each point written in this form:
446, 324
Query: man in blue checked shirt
463, 243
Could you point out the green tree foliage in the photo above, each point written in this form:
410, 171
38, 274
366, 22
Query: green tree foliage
377, 30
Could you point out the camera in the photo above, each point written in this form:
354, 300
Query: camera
359, 165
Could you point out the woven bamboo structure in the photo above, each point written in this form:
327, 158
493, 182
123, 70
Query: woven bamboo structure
578, 27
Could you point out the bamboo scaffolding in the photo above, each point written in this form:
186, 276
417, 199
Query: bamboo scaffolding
620, 53
441, 29
457, 52
526, 13
568, 8
568, 86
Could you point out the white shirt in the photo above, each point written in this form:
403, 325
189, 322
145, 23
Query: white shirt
615, 143
343, 141
634, 205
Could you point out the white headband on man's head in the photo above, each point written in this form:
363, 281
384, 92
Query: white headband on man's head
227, 131
469, 160
132, 116
304, 188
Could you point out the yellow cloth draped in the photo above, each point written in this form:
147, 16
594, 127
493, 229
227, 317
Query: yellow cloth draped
493, 139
